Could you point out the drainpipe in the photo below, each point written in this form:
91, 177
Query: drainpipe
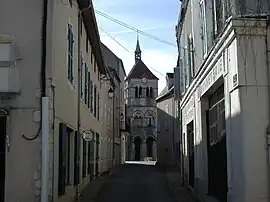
44, 112
78, 107
267, 42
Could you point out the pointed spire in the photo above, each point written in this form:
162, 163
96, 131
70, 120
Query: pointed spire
138, 50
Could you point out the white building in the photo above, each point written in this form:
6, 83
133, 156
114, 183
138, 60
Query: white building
225, 105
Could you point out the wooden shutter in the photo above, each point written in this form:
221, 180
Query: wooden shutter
76, 159
62, 160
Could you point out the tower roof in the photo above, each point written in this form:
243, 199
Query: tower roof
140, 70
138, 49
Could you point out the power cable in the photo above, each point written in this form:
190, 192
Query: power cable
133, 28
127, 49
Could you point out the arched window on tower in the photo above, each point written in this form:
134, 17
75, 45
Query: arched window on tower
147, 92
151, 92
136, 92
140, 91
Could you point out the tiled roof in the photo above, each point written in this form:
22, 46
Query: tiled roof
139, 70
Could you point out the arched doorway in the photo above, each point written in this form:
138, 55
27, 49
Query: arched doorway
137, 142
149, 145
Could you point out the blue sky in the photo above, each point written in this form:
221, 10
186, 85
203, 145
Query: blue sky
155, 17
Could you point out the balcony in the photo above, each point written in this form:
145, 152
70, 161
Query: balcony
9, 80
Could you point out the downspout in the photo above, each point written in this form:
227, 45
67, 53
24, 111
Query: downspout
267, 42
78, 107
44, 111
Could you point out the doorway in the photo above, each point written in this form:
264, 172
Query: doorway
97, 155
137, 142
190, 145
149, 144
216, 142
3, 120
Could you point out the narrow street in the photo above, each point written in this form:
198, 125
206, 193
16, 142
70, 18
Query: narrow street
137, 183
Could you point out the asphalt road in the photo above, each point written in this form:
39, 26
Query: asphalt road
136, 183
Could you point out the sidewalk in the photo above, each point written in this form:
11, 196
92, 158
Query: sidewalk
174, 182
90, 192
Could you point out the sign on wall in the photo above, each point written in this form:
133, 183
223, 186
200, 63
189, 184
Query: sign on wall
215, 73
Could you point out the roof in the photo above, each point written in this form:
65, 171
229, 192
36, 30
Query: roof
90, 24
165, 93
138, 49
140, 70
111, 59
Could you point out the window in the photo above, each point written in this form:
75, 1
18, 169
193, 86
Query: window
191, 67
85, 84
95, 100
91, 96
149, 121
151, 92
98, 107
91, 57
70, 53
147, 92
185, 65
89, 89
81, 76
203, 27
140, 91
136, 92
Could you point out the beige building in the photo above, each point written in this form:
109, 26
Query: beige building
53, 83
117, 72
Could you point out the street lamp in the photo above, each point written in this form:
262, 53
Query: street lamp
110, 93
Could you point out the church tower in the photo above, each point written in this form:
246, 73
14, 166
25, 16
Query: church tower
141, 90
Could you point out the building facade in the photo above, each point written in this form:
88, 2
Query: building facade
52, 92
168, 151
224, 98
141, 90
117, 72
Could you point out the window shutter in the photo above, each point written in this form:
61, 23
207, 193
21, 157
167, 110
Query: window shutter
85, 83
61, 160
76, 160
89, 90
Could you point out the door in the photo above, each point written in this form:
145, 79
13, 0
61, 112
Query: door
92, 157
137, 143
2, 156
97, 154
191, 163
217, 151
